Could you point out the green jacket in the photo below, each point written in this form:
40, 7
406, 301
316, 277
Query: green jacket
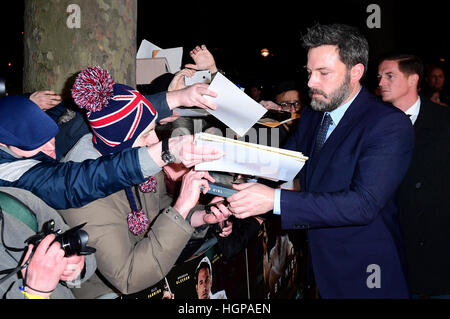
15, 232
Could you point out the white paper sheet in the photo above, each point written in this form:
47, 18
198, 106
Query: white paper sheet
251, 159
173, 55
234, 108
146, 50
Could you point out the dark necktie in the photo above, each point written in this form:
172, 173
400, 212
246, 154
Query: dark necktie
322, 134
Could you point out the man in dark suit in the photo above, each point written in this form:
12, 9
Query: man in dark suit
424, 196
347, 186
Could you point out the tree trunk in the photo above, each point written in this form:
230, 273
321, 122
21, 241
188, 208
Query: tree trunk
62, 37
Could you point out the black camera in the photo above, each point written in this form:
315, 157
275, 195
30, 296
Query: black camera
73, 241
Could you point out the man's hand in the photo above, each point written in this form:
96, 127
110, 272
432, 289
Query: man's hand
190, 190
269, 105
251, 200
219, 214
436, 99
178, 82
203, 59
192, 95
185, 151
175, 171
45, 268
227, 230
45, 99
75, 265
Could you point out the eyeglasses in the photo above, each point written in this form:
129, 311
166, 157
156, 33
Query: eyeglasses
289, 105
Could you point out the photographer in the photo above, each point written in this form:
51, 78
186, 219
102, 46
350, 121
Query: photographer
48, 273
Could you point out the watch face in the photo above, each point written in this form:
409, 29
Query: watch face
168, 157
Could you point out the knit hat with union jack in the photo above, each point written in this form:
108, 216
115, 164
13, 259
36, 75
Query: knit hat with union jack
117, 113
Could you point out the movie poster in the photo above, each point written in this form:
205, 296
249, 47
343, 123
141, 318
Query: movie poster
207, 275
273, 266
284, 261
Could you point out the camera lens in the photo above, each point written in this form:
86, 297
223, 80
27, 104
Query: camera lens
73, 243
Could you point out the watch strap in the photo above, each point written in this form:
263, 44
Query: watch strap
165, 145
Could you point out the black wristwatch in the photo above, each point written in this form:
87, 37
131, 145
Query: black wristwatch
166, 156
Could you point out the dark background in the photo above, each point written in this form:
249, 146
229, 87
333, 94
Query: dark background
235, 32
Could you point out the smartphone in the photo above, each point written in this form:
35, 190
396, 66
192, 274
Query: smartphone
198, 77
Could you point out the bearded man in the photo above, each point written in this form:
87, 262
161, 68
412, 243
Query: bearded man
359, 150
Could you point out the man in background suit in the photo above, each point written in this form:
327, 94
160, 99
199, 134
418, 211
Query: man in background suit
348, 186
424, 196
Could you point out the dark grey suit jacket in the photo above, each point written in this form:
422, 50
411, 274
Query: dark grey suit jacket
424, 202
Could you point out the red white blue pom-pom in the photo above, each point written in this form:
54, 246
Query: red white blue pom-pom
137, 222
149, 185
93, 89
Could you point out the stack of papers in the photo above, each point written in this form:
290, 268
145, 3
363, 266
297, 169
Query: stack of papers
148, 50
251, 159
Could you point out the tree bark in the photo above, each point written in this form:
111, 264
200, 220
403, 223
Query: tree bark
60, 41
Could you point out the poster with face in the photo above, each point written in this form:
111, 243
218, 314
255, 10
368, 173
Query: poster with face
271, 266
284, 261
209, 275
206, 275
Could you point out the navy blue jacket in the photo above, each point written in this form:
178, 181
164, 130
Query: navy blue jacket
70, 185
347, 199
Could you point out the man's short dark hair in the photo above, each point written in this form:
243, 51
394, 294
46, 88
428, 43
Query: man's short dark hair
285, 86
408, 64
352, 45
